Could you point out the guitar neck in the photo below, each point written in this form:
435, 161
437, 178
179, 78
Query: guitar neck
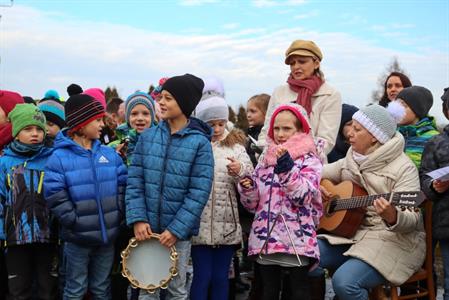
356, 202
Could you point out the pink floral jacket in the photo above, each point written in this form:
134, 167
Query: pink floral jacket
295, 194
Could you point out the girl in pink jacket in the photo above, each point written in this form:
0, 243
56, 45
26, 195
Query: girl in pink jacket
284, 194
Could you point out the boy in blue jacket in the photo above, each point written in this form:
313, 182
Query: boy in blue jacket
170, 175
29, 230
84, 187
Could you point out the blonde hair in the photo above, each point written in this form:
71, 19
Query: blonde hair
261, 101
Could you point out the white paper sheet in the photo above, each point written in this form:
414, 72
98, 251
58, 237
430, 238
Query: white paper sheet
440, 174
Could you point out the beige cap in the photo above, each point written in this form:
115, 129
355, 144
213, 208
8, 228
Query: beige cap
303, 48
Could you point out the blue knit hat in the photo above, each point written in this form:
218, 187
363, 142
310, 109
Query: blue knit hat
139, 98
53, 111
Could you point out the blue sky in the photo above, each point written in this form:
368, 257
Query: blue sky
130, 44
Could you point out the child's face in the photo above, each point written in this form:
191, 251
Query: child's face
410, 117
285, 126
254, 115
3, 118
31, 135
121, 113
169, 107
346, 128
52, 129
92, 130
219, 128
140, 118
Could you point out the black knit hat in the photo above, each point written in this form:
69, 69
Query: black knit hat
74, 89
187, 90
445, 96
418, 98
80, 110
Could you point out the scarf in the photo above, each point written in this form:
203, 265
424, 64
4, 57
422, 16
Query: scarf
359, 158
5, 135
25, 149
298, 145
305, 89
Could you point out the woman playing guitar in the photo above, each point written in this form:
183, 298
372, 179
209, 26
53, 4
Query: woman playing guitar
390, 243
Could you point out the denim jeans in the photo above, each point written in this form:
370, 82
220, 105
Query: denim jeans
88, 267
353, 277
444, 248
177, 287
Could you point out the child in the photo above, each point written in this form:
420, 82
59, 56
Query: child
116, 110
54, 114
410, 110
220, 231
255, 113
342, 143
436, 156
30, 231
8, 100
84, 187
171, 174
139, 115
284, 194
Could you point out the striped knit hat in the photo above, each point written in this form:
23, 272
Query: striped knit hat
80, 110
378, 121
53, 111
139, 98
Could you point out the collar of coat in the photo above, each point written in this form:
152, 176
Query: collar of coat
235, 136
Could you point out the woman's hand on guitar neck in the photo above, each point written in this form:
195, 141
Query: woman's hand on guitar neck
387, 211
325, 194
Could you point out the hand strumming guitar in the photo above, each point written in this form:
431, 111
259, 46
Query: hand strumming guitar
387, 211
325, 194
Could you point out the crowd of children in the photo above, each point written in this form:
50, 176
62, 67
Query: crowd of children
79, 178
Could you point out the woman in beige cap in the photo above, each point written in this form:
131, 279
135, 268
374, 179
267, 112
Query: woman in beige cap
307, 87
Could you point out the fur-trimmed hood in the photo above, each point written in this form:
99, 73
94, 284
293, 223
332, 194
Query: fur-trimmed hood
233, 137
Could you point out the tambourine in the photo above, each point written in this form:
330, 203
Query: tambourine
148, 265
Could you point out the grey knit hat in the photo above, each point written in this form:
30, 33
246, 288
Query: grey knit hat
418, 98
212, 108
378, 121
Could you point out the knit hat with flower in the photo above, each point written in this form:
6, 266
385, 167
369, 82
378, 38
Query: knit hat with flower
378, 121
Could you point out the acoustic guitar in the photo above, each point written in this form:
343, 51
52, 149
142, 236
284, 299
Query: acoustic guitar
344, 212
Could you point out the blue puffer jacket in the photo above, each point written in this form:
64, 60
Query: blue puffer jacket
170, 178
24, 215
85, 190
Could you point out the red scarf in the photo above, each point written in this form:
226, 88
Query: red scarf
305, 89
5, 135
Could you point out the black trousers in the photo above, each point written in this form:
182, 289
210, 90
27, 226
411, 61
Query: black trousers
26, 263
271, 277
3, 275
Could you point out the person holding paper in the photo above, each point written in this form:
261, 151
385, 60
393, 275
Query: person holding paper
436, 156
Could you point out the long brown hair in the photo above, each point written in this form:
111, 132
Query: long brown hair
405, 83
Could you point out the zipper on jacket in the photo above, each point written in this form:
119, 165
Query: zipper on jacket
212, 213
32, 203
97, 193
161, 191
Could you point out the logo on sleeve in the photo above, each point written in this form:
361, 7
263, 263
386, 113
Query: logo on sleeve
103, 160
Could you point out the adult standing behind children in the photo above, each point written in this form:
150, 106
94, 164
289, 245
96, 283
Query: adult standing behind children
307, 87
170, 175
30, 231
394, 84
220, 231
84, 187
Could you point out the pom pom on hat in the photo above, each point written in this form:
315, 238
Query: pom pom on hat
74, 89
396, 110
378, 121
51, 94
24, 115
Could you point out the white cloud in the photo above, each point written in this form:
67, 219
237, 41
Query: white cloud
273, 3
230, 26
52, 53
196, 2
306, 15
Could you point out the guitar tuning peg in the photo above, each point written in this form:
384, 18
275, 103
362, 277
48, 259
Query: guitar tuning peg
416, 209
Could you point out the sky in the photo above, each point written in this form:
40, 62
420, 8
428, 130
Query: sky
131, 44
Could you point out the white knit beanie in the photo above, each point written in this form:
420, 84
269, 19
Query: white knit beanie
212, 108
378, 121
